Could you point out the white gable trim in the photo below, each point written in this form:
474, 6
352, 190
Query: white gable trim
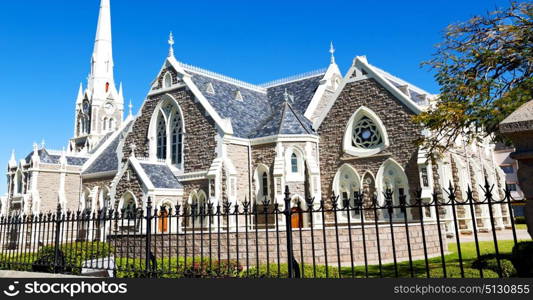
224, 124
360, 63
321, 90
140, 171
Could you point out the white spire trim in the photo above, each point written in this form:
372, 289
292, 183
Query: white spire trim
171, 45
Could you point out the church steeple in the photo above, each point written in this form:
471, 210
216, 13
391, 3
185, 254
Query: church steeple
100, 107
101, 76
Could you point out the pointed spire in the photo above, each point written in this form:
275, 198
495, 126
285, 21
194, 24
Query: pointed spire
171, 45
332, 51
103, 50
79, 99
43, 144
130, 106
13, 160
120, 91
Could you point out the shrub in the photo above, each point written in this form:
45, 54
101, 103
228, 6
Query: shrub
272, 271
455, 272
46, 261
490, 262
179, 268
71, 256
522, 258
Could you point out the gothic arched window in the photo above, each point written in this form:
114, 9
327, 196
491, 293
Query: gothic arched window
365, 134
294, 163
161, 138
167, 80
176, 139
265, 184
394, 186
167, 135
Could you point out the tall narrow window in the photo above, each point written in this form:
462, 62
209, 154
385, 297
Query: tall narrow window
264, 184
161, 139
425, 178
167, 138
176, 139
167, 81
294, 163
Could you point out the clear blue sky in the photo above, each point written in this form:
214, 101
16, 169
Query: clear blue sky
45, 47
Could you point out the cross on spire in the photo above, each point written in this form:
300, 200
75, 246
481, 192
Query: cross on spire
171, 44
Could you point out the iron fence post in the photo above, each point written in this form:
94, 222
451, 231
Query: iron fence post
288, 227
56, 239
148, 236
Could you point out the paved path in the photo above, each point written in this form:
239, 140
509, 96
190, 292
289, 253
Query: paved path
501, 235
18, 274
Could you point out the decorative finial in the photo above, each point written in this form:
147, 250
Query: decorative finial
133, 147
332, 51
43, 144
171, 45
13, 160
288, 96
130, 106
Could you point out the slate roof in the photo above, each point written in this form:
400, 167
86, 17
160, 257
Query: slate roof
286, 120
48, 158
107, 161
259, 106
415, 94
161, 176
301, 90
246, 114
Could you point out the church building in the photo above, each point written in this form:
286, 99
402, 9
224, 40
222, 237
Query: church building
201, 137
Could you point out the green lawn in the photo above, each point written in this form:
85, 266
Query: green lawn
520, 226
452, 263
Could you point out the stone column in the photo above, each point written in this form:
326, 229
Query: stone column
518, 127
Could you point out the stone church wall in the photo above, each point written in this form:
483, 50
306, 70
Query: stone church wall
396, 119
199, 139
238, 154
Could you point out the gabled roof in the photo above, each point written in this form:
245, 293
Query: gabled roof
361, 70
286, 120
106, 157
246, 114
52, 157
301, 92
416, 94
160, 175
259, 104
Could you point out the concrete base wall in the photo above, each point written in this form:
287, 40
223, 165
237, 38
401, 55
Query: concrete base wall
316, 245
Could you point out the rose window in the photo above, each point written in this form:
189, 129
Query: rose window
366, 134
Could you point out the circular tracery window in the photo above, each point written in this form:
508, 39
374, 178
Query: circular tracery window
365, 134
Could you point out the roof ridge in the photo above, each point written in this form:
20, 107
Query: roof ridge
222, 77
283, 116
292, 78
298, 118
402, 81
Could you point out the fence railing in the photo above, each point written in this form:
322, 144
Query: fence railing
344, 236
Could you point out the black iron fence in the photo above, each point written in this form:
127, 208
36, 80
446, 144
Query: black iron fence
449, 234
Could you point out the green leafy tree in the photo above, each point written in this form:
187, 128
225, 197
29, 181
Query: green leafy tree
484, 68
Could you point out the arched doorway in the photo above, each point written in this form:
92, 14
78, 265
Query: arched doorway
164, 217
297, 220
